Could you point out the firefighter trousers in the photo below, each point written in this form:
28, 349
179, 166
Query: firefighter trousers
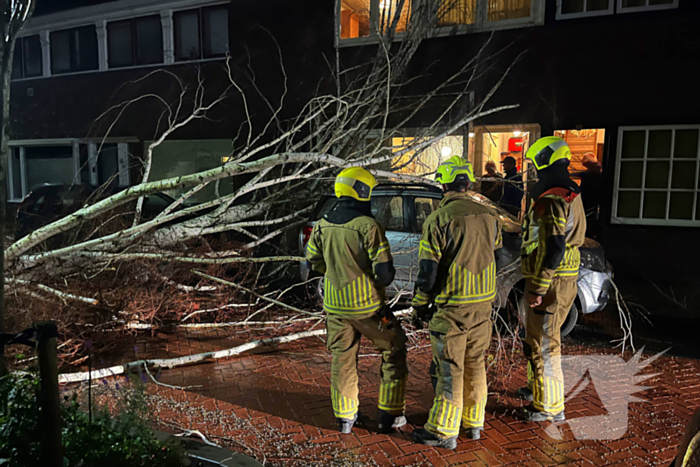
459, 338
542, 345
344, 336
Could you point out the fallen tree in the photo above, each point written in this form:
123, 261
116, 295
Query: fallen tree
281, 166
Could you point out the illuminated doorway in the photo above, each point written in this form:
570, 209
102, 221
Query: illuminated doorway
586, 146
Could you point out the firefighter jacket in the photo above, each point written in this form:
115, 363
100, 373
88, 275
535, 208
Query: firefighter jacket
554, 230
349, 247
457, 265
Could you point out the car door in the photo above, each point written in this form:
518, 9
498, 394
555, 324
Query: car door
389, 209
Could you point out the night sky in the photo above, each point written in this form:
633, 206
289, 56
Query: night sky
50, 6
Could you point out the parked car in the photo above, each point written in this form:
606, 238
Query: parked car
403, 208
49, 202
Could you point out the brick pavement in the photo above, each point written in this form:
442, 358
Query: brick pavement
285, 393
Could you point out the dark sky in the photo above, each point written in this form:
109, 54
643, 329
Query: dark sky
50, 6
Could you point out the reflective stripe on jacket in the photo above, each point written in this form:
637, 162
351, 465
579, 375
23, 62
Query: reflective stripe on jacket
555, 228
456, 255
348, 255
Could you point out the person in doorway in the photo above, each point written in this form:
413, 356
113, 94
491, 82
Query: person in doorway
457, 274
553, 232
349, 247
492, 182
512, 197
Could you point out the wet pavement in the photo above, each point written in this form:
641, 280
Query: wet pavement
274, 405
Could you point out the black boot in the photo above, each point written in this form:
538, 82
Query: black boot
531, 414
388, 423
524, 394
345, 424
423, 436
473, 433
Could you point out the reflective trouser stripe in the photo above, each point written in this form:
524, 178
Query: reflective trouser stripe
548, 395
343, 407
473, 416
444, 418
392, 396
543, 339
530, 376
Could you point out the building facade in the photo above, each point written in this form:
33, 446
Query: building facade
613, 77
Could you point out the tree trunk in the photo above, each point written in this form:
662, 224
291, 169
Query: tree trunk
6, 53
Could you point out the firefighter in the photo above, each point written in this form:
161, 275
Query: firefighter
553, 232
457, 274
349, 247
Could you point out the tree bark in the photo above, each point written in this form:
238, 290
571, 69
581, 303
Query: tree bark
13, 15
6, 54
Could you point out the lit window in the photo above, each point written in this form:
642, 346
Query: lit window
388, 13
201, 33
363, 18
454, 12
354, 18
135, 42
625, 6
657, 176
74, 50
27, 62
423, 161
502, 10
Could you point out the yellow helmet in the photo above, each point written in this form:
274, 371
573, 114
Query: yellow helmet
546, 151
453, 169
355, 182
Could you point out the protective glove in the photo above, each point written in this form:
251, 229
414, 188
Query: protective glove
422, 314
387, 317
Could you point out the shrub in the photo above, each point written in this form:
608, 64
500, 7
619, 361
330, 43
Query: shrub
124, 439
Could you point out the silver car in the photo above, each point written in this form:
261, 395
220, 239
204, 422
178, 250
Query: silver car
403, 208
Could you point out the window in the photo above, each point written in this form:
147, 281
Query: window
354, 18
388, 210
201, 33
137, 41
657, 176
502, 10
424, 207
27, 62
358, 17
175, 158
454, 12
65, 162
74, 50
578, 8
49, 164
625, 6
424, 161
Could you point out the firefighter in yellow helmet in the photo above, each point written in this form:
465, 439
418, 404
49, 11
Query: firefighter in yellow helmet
349, 247
553, 232
457, 273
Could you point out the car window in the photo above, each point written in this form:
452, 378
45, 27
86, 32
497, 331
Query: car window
327, 205
157, 202
388, 210
424, 207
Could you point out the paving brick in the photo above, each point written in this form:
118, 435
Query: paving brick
285, 392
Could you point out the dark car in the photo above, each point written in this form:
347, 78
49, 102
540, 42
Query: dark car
48, 203
403, 208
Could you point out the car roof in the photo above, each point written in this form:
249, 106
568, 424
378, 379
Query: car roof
424, 187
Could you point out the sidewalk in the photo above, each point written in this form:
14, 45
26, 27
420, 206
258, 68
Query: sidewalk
275, 406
